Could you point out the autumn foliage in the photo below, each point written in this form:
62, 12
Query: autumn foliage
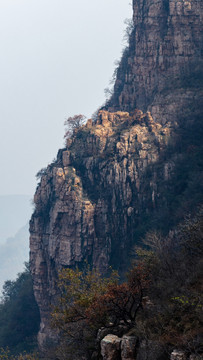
120, 302
164, 282
88, 297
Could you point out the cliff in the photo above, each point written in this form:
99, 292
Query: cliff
130, 170
163, 58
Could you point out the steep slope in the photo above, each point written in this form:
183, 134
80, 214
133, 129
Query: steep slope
128, 171
162, 68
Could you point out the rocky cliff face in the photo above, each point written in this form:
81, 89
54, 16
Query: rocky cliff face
93, 202
163, 57
88, 202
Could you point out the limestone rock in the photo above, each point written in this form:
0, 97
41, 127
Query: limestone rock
165, 48
110, 347
128, 347
77, 213
91, 200
178, 355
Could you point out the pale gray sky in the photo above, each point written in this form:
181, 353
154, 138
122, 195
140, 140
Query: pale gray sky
56, 58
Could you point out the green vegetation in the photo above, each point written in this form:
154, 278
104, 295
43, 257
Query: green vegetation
19, 316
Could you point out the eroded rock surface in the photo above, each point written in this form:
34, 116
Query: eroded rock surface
88, 202
128, 347
115, 348
115, 171
163, 59
110, 347
178, 355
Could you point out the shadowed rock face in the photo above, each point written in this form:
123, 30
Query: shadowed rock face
165, 49
91, 201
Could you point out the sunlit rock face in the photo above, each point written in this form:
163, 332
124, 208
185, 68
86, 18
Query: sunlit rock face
115, 170
89, 201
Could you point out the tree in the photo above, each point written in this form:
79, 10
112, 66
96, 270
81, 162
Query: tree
78, 289
89, 301
19, 314
175, 263
119, 303
72, 123
128, 31
40, 173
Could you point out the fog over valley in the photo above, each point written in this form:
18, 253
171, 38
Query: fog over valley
56, 59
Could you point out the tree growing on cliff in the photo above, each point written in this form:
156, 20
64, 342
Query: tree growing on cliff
72, 123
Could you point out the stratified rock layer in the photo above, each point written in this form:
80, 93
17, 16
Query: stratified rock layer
116, 171
88, 201
164, 57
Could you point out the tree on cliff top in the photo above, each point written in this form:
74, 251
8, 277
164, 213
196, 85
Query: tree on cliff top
72, 123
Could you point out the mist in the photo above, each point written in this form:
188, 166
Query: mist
56, 59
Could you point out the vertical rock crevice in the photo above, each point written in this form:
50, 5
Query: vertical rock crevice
111, 182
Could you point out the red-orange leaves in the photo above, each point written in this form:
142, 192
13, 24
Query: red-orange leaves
87, 296
138, 278
120, 302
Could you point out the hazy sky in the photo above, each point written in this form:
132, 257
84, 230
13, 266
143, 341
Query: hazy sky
56, 58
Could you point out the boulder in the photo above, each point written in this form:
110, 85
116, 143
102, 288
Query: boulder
110, 347
128, 347
178, 355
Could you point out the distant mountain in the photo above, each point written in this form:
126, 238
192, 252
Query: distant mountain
13, 253
15, 211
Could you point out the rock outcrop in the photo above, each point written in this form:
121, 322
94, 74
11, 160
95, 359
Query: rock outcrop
93, 201
163, 58
114, 348
110, 347
129, 348
178, 355
88, 202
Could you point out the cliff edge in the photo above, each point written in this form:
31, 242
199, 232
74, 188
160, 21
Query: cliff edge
119, 175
